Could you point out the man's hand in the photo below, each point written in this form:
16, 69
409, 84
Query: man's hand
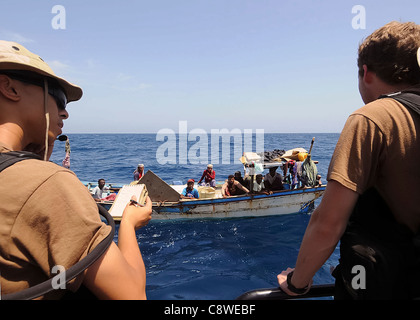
282, 279
138, 216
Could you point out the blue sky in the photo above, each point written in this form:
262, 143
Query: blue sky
281, 66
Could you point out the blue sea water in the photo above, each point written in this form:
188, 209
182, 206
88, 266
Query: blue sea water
208, 258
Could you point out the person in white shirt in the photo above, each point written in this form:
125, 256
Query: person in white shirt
258, 186
99, 190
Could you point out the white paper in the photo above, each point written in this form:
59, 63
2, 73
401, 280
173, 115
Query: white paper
123, 198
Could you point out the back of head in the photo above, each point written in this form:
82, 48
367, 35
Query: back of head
391, 52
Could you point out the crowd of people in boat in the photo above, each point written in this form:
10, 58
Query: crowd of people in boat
233, 186
238, 185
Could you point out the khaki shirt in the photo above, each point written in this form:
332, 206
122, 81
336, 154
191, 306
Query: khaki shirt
380, 147
48, 218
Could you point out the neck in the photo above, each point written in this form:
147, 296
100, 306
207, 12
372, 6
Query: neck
380, 88
12, 136
386, 89
14, 139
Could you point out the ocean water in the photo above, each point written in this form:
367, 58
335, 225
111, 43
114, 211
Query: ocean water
208, 258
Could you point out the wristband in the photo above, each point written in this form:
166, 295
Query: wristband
292, 288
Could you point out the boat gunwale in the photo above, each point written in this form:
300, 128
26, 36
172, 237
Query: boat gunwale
195, 202
246, 197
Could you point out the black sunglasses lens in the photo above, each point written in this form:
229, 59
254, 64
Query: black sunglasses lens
53, 88
59, 96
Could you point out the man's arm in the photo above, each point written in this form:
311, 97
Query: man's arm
120, 272
240, 186
224, 187
212, 175
327, 225
202, 176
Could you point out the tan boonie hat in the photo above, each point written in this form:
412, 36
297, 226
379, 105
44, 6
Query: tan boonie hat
14, 56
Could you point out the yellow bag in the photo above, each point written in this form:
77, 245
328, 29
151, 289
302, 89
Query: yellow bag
302, 156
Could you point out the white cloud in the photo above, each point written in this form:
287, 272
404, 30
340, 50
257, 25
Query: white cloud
58, 66
142, 86
126, 82
92, 63
122, 77
16, 37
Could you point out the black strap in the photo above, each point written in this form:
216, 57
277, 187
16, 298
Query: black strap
410, 98
9, 158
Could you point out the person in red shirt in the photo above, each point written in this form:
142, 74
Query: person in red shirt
139, 172
209, 176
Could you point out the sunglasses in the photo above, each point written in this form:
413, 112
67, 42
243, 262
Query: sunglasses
33, 78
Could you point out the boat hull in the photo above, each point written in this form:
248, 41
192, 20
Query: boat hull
279, 203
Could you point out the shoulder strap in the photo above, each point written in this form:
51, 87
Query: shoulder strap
9, 158
6, 160
410, 98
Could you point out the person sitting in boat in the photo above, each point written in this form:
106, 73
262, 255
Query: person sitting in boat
209, 176
233, 188
139, 172
99, 190
190, 192
318, 180
273, 180
240, 179
258, 186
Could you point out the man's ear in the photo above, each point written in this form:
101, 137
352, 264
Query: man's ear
367, 75
8, 88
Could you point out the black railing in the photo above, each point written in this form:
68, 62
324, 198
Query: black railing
316, 291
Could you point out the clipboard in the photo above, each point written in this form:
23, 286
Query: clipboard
124, 196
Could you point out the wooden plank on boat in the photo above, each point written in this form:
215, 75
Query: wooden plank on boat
158, 189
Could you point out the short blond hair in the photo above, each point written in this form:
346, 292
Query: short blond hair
391, 52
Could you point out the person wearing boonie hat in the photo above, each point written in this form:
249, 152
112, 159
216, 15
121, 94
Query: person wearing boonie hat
48, 216
20, 64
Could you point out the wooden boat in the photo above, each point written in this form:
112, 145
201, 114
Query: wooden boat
168, 205
283, 202
278, 203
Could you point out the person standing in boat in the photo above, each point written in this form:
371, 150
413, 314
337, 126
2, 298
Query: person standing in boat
209, 176
367, 205
48, 216
190, 192
139, 172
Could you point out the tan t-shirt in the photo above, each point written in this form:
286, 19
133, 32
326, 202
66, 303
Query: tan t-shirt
380, 147
48, 218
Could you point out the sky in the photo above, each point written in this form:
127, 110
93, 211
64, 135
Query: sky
145, 66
